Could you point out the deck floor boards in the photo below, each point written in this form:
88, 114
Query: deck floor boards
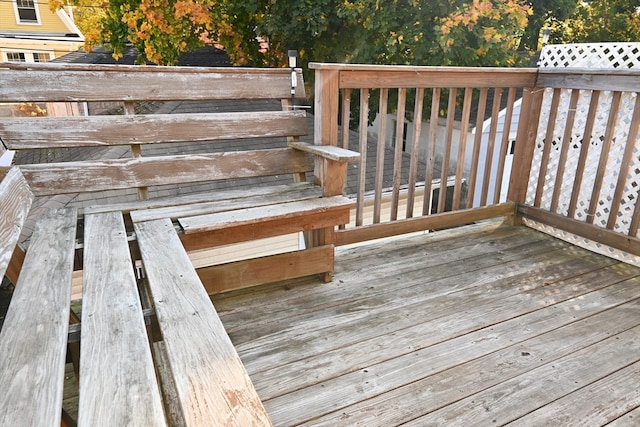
482, 325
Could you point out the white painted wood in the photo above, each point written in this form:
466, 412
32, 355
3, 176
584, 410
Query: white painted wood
33, 342
15, 202
211, 382
118, 384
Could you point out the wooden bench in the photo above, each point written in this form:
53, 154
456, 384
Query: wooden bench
190, 149
153, 350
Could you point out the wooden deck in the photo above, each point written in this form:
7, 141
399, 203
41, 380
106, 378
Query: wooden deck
481, 325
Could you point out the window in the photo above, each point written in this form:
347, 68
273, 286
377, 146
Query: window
27, 12
40, 57
16, 57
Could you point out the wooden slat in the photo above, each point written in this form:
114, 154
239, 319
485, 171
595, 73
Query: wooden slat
584, 152
462, 147
211, 196
211, 382
117, 377
15, 202
268, 227
628, 155
493, 130
226, 205
474, 176
548, 144
448, 144
621, 79
337, 154
345, 130
565, 143
415, 150
410, 225
33, 342
362, 143
504, 143
431, 152
380, 152
75, 177
393, 76
251, 216
398, 150
604, 156
46, 132
131, 83
273, 268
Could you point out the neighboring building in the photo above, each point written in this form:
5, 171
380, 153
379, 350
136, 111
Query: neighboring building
30, 32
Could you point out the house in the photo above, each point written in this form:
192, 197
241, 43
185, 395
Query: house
30, 32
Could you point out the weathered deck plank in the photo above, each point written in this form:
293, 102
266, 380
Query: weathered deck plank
411, 332
117, 377
33, 340
211, 383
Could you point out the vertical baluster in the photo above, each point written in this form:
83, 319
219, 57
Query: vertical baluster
564, 149
362, 176
624, 166
444, 175
397, 158
504, 144
415, 150
346, 117
431, 151
493, 131
382, 140
477, 142
604, 155
584, 152
462, 147
548, 143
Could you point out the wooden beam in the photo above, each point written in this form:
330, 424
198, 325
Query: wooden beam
274, 268
601, 235
411, 225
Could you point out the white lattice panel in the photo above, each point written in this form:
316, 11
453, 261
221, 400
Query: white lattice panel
590, 55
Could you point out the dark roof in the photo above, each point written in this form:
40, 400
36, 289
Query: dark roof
207, 56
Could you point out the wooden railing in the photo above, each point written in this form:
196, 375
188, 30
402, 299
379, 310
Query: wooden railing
506, 142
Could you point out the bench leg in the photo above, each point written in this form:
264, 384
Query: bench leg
322, 237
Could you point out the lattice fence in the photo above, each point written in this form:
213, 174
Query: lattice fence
590, 55
600, 55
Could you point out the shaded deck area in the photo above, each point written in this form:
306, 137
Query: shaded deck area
480, 325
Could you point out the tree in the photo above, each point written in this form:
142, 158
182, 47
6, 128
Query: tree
371, 31
545, 13
605, 20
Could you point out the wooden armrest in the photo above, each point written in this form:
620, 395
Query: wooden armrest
327, 151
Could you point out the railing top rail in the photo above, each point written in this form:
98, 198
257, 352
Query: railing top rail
355, 76
619, 79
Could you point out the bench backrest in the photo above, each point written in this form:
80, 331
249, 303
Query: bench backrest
235, 125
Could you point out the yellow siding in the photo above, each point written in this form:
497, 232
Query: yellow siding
49, 22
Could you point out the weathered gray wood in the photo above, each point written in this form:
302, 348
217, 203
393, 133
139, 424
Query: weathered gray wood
621, 79
15, 202
77, 177
211, 196
256, 199
117, 378
329, 152
211, 382
221, 220
33, 342
47, 132
598, 403
131, 83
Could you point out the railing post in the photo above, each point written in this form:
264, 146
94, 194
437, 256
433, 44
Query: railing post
530, 111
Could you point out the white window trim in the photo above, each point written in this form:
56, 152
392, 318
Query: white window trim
28, 55
37, 9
